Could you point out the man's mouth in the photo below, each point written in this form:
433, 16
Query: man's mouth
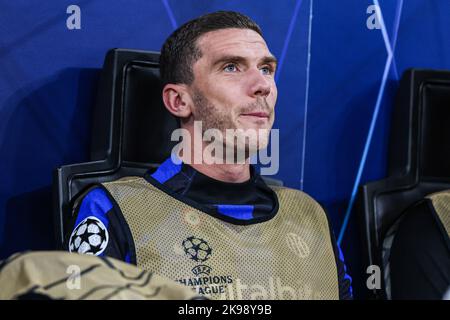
256, 114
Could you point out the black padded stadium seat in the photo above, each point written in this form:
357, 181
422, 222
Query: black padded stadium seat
131, 130
419, 162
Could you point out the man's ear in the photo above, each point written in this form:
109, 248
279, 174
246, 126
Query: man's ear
177, 100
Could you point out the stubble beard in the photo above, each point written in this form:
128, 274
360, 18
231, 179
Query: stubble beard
215, 118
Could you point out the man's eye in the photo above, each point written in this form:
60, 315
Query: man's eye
230, 67
266, 70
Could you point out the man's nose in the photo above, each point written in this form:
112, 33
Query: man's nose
259, 84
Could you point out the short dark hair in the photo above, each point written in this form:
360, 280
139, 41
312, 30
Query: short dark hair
180, 51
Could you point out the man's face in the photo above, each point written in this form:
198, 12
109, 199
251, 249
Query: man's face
234, 86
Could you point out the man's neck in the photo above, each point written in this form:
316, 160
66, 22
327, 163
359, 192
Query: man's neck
234, 173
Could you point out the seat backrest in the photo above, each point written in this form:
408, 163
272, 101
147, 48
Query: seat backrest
130, 133
419, 157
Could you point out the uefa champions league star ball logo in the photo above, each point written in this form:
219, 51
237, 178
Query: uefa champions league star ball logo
89, 237
197, 249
